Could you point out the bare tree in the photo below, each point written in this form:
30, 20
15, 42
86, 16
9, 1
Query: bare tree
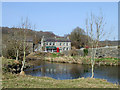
35, 39
96, 32
12, 44
25, 26
17, 41
87, 31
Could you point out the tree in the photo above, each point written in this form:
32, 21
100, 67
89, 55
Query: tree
13, 44
78, 37
17, 43
25, 26
95, 29
10, 47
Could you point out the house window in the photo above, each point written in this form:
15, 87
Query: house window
53, 43
60, 44
50, 43
66, 44
66, 48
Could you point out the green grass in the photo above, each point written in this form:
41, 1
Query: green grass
7, 61
103, 59
54, 55
108, 60
17, 81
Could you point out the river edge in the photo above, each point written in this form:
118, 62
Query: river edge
74, 59
11, 80
17, 81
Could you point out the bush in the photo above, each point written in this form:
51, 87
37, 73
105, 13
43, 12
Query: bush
73, 52
85, 52
10, 51
118, 46
9, 65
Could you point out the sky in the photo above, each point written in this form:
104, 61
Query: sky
61, 17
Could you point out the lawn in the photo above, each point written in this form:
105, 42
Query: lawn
17, 81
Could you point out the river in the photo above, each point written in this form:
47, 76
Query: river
63, 71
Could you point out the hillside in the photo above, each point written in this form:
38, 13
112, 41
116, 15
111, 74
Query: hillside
31, 35
36, 36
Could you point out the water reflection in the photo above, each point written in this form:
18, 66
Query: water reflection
73, 71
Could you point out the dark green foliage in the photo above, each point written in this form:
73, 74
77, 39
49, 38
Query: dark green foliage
85, 52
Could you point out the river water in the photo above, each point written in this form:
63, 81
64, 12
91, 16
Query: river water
73, 71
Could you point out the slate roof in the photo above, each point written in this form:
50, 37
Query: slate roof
56, 40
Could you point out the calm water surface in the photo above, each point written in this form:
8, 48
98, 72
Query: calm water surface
74, 71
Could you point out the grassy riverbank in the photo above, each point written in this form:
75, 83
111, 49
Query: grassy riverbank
17, 81
6, 63
60, 58
83, 60
10, 80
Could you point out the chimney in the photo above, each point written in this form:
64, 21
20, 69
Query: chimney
68, 38
55, 37
42, 38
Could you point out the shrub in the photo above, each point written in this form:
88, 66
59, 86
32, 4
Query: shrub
85, 52
73, 52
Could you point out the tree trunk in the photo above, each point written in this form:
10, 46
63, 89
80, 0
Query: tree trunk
92, 71
93, 52
23, 62
17, 55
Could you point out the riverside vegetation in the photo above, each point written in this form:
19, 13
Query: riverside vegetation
76, 59
10, 80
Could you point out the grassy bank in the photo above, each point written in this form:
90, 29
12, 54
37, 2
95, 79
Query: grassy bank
10, 80
6, 63
17, 81
12, 65
60, 58
83, 60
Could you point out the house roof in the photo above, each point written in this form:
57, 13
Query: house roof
57, 40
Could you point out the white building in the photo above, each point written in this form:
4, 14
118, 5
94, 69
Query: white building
54, 44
